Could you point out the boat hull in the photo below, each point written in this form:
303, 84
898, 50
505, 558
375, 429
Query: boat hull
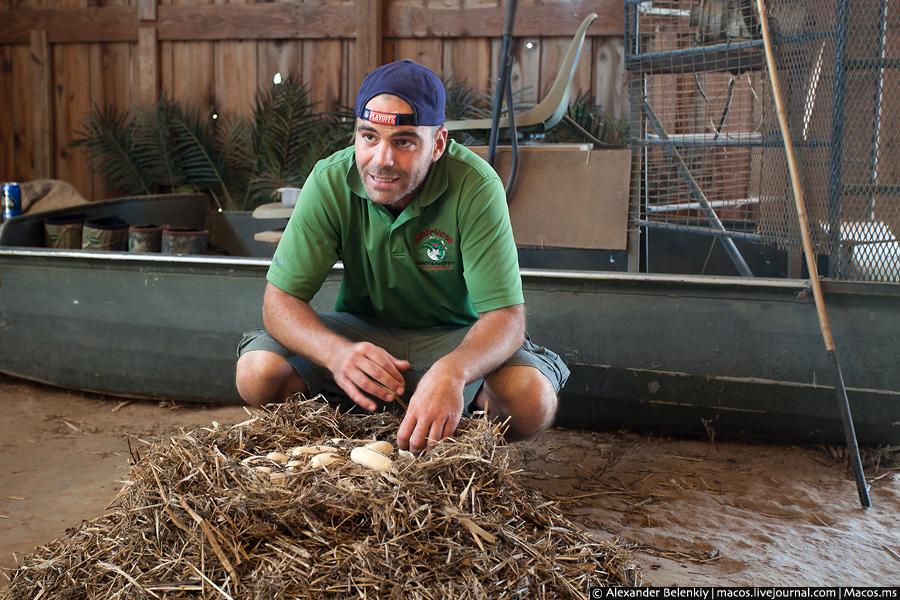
711, 356
702, 355
720, 355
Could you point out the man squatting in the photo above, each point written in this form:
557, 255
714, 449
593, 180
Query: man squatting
430, 305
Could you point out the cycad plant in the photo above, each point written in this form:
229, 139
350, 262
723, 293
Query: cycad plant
108, 139
585, 122
240, 162
173, 147
465, 102
288, 137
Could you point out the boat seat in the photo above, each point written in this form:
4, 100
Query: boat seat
272, 236
272, 210
550, 111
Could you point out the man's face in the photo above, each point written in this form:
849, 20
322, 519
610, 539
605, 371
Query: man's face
394, 160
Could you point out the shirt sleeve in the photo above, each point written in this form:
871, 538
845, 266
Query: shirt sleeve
309, 247
490, 258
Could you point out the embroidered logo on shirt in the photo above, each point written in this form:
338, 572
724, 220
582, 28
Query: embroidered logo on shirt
434, 248
434, 244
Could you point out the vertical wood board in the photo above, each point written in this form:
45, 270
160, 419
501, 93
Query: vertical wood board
40, 75
526, 72
235, 77
469, 60
72, 102
369, 37
148, 68
425, 51
23, 113
110, 84
322, 65
609, 86
193, 70
282, 57
7, 132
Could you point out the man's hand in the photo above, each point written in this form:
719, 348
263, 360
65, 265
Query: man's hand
436, 407
356, 367
434, 411
361, 367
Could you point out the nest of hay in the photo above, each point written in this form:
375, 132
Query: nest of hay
241, 512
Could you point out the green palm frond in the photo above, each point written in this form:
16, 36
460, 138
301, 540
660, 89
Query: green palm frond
585, 122
171, 146
233, 138
464, 101
193, 145
289, 137
153, 144
107, 138
284, 117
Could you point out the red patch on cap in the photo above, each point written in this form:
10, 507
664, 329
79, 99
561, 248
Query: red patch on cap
374, 116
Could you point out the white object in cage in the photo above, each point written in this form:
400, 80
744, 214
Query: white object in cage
873, 248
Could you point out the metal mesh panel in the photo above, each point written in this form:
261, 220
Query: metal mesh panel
705, 130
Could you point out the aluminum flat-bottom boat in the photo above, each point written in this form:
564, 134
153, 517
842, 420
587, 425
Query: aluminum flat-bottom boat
675, 353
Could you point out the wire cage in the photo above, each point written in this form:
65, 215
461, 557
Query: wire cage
709, 156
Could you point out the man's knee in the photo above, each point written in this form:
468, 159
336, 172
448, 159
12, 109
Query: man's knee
263, 377
523, 396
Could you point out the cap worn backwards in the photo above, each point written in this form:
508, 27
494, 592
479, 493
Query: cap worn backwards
410, 81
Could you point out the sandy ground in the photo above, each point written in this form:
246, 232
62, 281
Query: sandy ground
698, 512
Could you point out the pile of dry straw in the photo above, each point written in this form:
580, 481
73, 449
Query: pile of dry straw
200, 518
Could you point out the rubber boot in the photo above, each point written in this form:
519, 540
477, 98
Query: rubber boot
105, 233
145, 238
184, 240
64, 231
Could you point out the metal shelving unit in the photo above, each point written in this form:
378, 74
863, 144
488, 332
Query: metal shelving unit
709, 158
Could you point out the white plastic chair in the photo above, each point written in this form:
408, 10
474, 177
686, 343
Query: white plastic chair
550, 111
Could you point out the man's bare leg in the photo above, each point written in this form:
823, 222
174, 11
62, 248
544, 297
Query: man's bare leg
263, 377
521, 394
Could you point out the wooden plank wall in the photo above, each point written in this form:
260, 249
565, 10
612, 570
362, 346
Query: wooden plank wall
58, 58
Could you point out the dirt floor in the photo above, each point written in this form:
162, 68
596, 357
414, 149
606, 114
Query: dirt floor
698, 512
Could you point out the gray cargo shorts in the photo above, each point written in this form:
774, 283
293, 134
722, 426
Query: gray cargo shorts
421, 347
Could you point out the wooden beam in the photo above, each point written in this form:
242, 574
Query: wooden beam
147, 10
406, 21
274, 20
148, 67
42, 103
280, 20
184, 22
369, 38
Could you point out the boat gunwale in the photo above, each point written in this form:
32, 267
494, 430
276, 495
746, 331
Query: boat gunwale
794, 286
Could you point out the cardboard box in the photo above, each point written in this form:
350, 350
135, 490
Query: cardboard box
567, 195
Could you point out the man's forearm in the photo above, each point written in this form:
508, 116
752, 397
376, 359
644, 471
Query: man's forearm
491, 340
358, 368
294, 323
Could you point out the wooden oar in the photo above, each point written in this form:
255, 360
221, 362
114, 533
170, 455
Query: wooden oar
843, 403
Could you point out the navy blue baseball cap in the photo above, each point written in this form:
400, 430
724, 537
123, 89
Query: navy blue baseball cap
417, 85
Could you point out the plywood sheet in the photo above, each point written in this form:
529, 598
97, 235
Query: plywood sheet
568, 196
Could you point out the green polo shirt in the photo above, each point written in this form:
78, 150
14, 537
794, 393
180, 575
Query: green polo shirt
447, 257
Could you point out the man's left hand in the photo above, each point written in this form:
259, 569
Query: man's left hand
434, 411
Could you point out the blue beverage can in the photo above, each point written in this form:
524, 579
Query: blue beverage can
11, 195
